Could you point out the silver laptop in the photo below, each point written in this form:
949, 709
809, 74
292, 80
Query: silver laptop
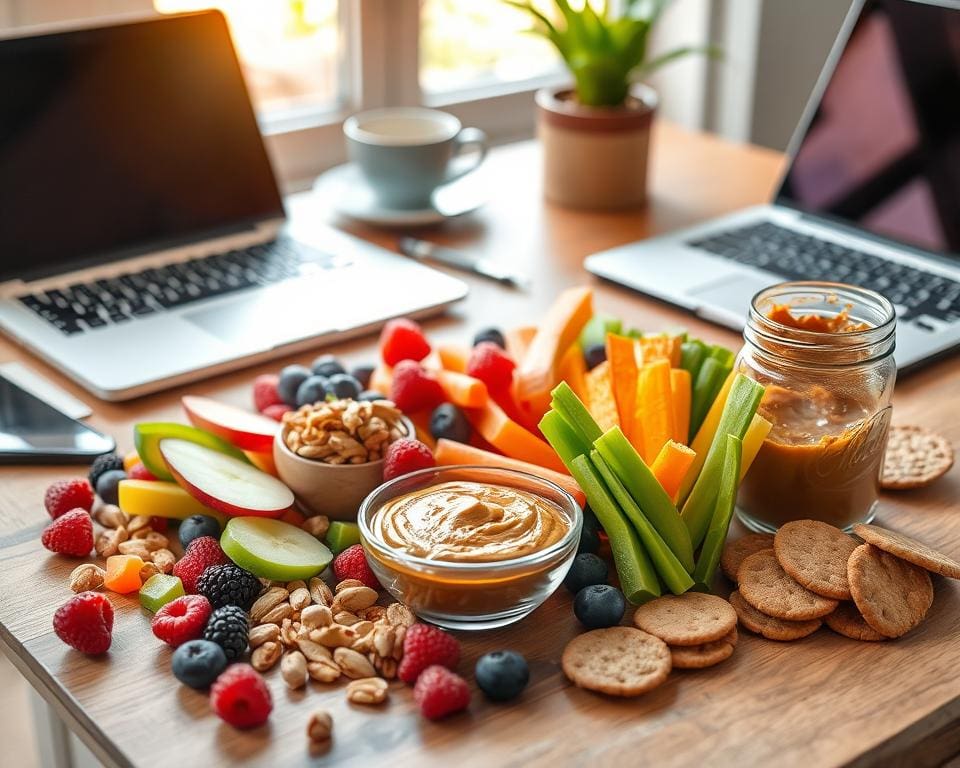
871, 195
143, 240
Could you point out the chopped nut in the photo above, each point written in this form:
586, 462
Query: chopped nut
147, 570
386, 667
346, 618
320, 593
399, 614
363, 644
342, 431
110, 516
367, 690
137, 522
296, 584
134, 547
288, 633
265, 656
355, 599
374, 613
400, 634
311, 650
315, 616
347, 584
277, 614
263, 633
335, 636
317, 526
293, 669
362, 628
266, 602
383, 638
323, 670
319, 726
352, 663
108, 542
300, 598
164, 559
86, 577
154, 541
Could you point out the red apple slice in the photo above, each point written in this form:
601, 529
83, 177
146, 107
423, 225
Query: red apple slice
224, 483
248, 431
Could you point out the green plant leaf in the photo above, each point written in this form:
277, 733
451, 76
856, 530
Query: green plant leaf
657, 62
548, 30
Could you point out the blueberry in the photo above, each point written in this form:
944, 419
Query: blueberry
327, 365
502, 675
594, 355
369, 395
587, 569
198, 663
291, 378
198, 525
490, 334
599, 606
344, 386
313, 389
363, 374
589, 533
107, 485
448, 421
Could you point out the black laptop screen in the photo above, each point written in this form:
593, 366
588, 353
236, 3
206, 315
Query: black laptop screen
883, 148
123, 137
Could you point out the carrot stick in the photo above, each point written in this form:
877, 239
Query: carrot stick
518, 342
752, 442
510, 438
463, 390
681, 386
622, 356
601, 402
661, 347
671, 466
453, 358
449, 453
573, 370
421, 422
655, 407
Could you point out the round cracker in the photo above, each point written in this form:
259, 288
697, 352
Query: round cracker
892, 595
693, 618
619, 661
768, 588
769, 626
703, 656
915, 457
849, 622
814, 554
909, 549
737, 550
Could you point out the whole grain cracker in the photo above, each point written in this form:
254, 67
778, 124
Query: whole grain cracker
909, 549
815, 554
768, 626
618, 661
849, 622
892, 595
768, 588
693, 618
706, 655
738, 550
915, 457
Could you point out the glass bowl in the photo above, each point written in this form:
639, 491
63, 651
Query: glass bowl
472, 595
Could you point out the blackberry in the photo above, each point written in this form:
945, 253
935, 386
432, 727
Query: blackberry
228, 627
229, 585
103, 464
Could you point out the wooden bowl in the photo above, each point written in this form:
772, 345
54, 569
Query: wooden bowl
334, 490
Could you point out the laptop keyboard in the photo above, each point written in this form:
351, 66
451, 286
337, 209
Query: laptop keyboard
796, 256
86, 306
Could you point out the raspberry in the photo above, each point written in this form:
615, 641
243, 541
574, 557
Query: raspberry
182, 619
427, 646
276, 411
70, 534
139, 472
491, 365
413, 389
403, 339
241, 697
65, 495
352, 564
203, 552
265, 392
85, 622
103, 464
406, 455
440, 692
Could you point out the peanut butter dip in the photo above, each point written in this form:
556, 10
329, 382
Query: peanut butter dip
468, 522
838, 323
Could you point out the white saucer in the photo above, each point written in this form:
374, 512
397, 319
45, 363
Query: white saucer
346, 191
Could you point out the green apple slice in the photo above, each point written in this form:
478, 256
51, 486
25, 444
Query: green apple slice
341, 535
273, 549
147, 437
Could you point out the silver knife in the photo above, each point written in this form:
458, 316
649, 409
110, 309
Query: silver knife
422, 249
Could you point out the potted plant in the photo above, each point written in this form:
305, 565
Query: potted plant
596, 136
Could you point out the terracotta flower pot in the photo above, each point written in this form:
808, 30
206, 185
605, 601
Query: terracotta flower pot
595, 157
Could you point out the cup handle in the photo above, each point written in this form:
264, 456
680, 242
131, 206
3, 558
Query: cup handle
463, 141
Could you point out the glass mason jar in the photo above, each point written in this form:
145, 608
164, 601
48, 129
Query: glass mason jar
824, 352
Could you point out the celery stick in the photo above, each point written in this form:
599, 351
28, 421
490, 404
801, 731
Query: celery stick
722, 355
563, 438
737, 414
595, 332
670, 570
726, 494
567, 404
704, 439
647, 492
705, 388
638, 579
692, 355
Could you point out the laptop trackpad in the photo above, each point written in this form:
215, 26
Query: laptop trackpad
728, 300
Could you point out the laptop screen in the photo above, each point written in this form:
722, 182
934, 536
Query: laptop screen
126, 137
882, 151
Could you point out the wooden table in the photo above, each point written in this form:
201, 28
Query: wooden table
825, 700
